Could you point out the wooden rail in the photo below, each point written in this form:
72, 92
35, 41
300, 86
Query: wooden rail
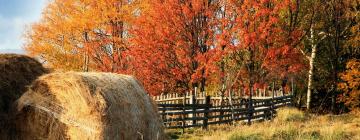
184, 112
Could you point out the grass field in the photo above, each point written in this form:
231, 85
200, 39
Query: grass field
290, 124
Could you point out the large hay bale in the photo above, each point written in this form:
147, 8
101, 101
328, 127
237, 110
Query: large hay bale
16, 73
87, 106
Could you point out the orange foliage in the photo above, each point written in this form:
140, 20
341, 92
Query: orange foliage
73, 31
351, 84
170, 45
266, 39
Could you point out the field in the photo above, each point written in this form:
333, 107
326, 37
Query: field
290, 124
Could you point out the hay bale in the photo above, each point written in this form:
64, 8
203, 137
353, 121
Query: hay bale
87, 106
16, 73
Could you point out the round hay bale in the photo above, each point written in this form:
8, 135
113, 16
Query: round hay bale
87, 106
16, 73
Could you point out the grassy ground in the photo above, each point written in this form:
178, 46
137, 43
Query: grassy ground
290, 124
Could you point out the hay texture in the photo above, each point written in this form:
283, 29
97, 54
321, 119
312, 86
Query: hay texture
17, 72
87, 106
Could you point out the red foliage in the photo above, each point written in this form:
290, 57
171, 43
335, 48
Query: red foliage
185, 42
263, 33
167, 46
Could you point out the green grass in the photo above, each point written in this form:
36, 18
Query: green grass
290, 124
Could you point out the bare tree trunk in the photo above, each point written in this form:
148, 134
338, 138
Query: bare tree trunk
311, 70
86, 62
86, 54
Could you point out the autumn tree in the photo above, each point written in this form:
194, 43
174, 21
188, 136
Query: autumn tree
217, 45
82, 35
172, 45
325, 31
350, 84
262, 42
314, 36
51, 41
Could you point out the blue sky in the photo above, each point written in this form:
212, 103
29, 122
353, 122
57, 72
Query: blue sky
15, 15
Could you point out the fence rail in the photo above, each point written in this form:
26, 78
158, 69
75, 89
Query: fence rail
200, 110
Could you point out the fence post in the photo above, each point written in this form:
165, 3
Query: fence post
193, 106
163, 116
265, 91
190, 115
206, 114
268, 111
292, 92
184, 115
272, 100
221, 105
231, 106
177, 100
292, 86
250, 106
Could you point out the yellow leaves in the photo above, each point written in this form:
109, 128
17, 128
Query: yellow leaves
69, 28
353, 14
352, 75
351, 84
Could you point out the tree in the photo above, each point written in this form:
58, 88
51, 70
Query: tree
82, 35
264, 42
191, 42
172, 45
351, 84
217, 45
50, 39
325, 32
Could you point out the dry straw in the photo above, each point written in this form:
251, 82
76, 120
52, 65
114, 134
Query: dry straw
87, 106
16, 73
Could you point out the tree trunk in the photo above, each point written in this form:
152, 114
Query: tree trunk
251, 84
311, 70
86, 54
86, 62
222, 77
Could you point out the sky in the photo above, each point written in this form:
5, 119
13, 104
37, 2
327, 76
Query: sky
15, 16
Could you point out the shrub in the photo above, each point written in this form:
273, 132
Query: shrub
351, 84
289, 115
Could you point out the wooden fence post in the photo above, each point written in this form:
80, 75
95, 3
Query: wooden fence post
206, 114
193, 107
231, 106
272, 100
184, 115
221, 105
268, 111
250, 106
177, 100
163, 116
265, 91
292, 103
292, 86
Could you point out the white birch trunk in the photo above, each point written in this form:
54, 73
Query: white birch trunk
86, 62
311, 70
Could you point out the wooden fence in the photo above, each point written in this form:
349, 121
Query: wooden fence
201, 110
